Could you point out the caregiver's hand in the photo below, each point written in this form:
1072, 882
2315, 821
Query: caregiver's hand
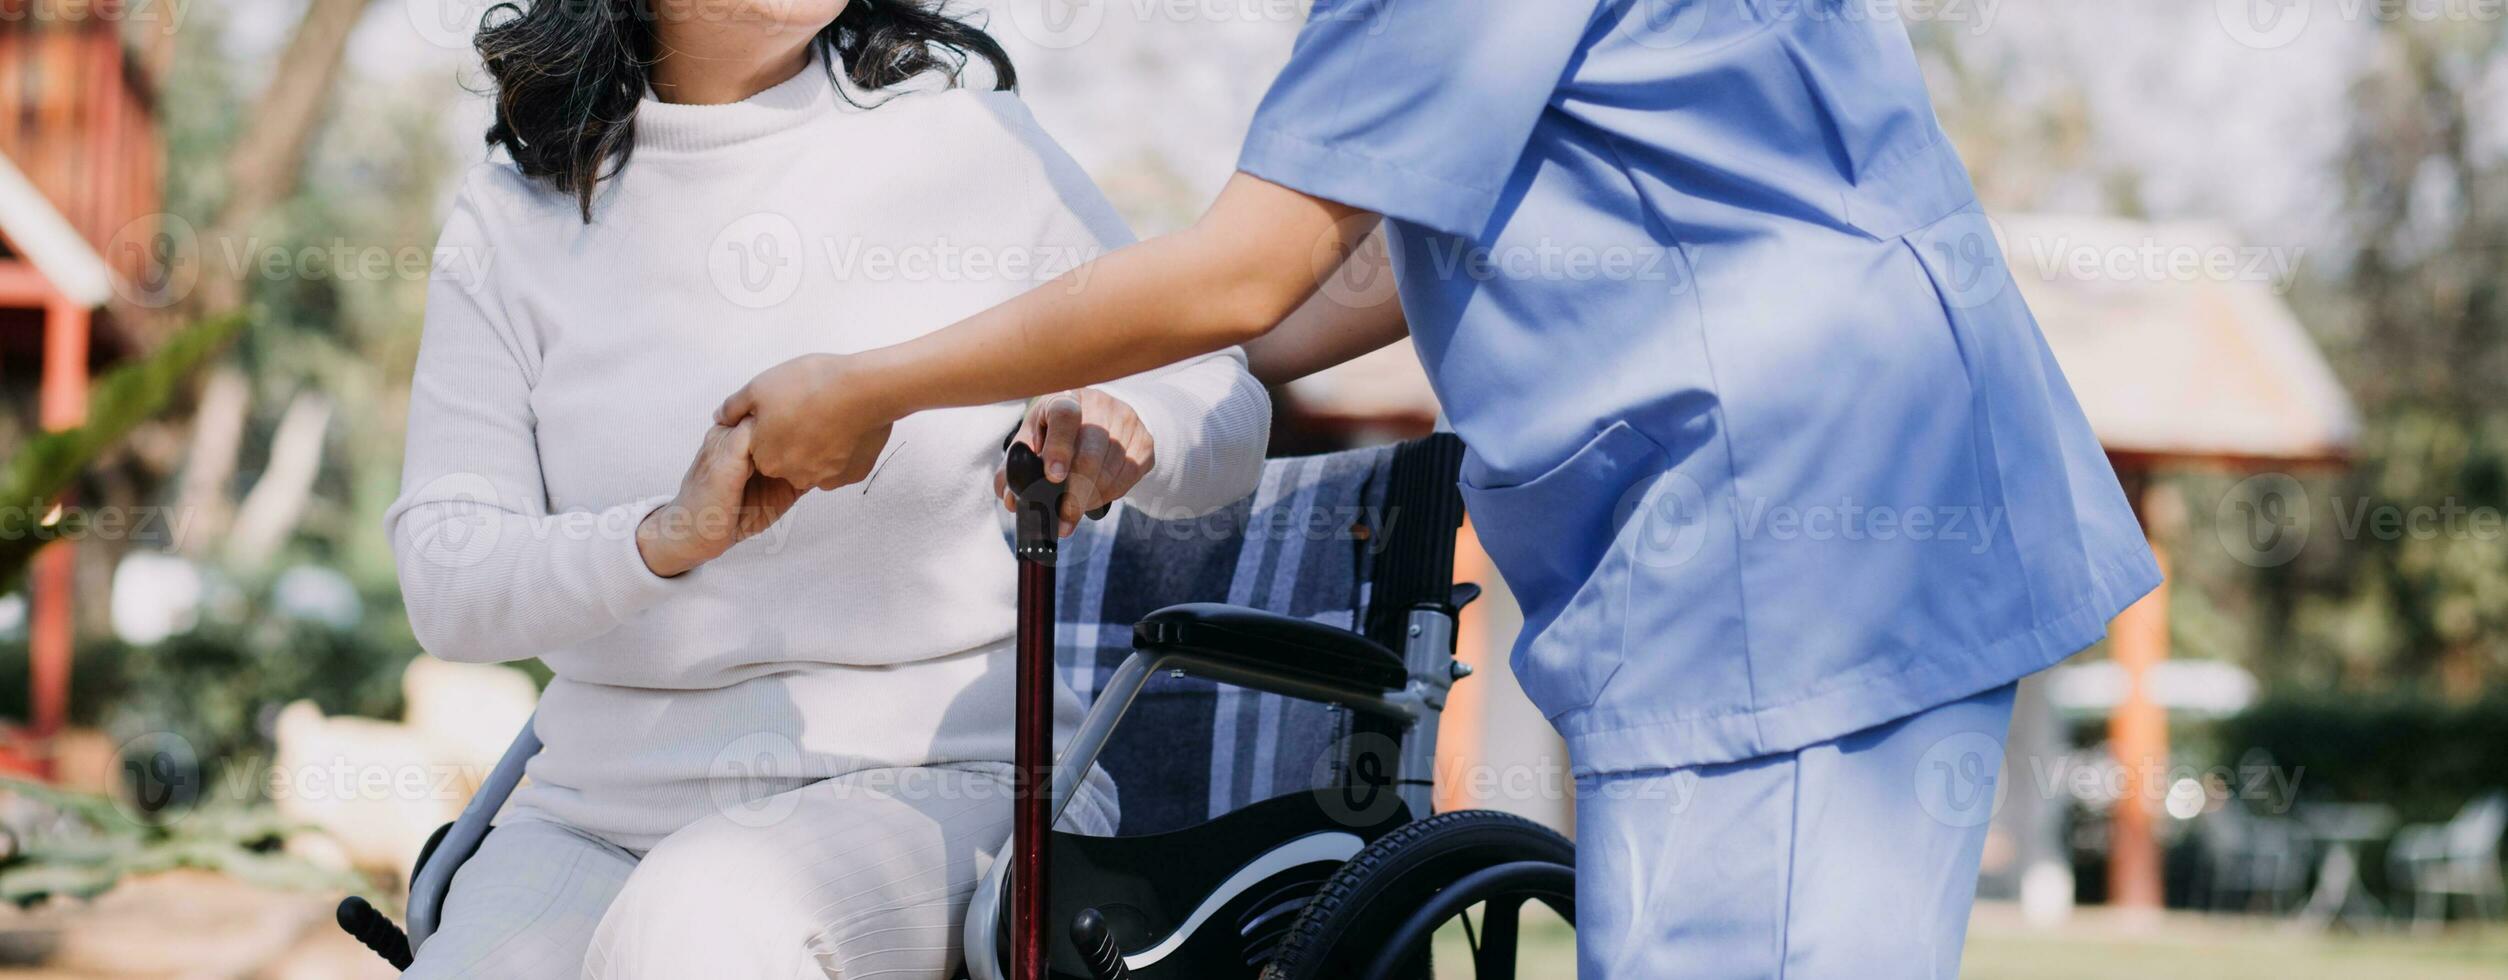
1092, 442
722, 501
820, 420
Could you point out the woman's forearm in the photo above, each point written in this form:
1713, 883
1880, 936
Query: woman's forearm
1209, 424
487, 585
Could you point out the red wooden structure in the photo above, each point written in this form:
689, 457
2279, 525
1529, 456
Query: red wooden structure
80, 164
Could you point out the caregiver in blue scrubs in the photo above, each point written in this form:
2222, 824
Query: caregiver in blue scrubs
1762, 436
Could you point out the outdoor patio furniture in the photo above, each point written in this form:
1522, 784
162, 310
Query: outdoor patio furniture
2438, 861
2251, 860
2340, 894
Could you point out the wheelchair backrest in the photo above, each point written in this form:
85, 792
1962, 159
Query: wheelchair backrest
1351, 539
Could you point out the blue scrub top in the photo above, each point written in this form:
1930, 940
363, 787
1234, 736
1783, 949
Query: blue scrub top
1762, 435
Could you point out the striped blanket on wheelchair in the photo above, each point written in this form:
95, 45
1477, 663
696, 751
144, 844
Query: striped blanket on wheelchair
1301, 545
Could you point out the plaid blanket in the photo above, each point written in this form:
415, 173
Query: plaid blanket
1191, 749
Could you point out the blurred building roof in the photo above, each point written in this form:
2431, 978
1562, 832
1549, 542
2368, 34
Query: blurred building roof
2210, 688
49, 242
2177, 340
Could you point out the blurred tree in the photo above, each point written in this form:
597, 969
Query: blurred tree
292, 451
49, 462
2404, 581
2411, 587
264, 148
314, 227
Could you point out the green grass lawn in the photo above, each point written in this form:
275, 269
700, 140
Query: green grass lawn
1548, 951
2096, 945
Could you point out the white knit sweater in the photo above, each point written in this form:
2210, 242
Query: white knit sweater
568, 371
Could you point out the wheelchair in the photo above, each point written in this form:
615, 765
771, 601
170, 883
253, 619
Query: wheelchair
1276, 672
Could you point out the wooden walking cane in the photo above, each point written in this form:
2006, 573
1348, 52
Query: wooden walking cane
1040, 515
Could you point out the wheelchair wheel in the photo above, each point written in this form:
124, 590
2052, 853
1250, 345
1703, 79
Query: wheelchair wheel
1373, 919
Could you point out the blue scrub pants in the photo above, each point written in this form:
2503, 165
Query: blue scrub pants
1850, 858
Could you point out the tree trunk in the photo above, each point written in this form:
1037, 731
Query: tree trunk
270, 512
263, 165
262, 170
217, 438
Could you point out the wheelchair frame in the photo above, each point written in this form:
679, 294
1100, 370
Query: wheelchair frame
1428, 656
1245, 648
1358, 669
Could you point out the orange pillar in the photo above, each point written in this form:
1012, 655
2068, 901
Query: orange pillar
2138, 734
49, 629
64, 394
1464, 724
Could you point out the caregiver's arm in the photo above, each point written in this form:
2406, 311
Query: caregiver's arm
1231, 277
1355, 312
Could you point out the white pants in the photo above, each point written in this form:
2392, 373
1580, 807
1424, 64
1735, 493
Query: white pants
1850, 858
864, 875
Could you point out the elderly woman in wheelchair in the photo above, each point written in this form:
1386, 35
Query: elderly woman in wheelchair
777, 740
1276, 750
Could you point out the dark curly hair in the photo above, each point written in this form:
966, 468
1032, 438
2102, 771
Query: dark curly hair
568, 73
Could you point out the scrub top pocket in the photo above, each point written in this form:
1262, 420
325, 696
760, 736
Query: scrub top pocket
1560, 542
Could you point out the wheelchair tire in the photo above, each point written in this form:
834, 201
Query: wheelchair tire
1384, 886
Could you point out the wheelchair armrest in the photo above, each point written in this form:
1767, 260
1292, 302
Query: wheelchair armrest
1270, 643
